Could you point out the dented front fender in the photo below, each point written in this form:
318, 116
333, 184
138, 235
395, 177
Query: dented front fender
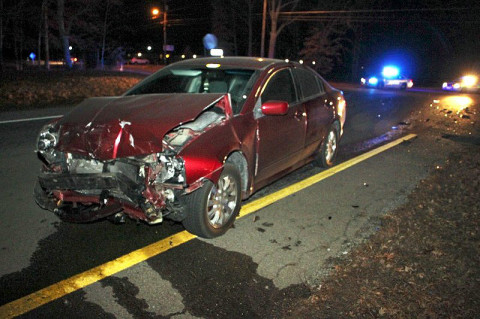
204, 157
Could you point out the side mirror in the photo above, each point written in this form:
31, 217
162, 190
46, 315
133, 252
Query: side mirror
275, 108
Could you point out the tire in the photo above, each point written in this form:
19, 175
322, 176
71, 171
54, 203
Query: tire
403, 87
204, 217
328, 149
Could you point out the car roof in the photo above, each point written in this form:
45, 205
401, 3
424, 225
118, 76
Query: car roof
240, 62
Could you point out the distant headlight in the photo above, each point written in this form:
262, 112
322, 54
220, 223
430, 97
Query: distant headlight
48, 138
444, 85
457, 85
469, 81
362, 80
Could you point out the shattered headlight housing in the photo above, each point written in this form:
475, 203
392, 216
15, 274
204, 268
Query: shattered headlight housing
167, 167
173, 169
46, 142
48, 138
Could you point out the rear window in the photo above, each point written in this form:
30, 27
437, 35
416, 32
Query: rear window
309, 84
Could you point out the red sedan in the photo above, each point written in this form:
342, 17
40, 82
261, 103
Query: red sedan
189, 142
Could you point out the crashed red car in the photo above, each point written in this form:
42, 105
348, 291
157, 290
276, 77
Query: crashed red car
188, 143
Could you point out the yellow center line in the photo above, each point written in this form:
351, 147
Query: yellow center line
80, 281
289, 190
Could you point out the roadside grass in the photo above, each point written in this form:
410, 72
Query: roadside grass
424, 260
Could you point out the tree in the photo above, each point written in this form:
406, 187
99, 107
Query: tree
67, 17
275, 8
63, 32
325, 46
2, 12
46, 31
229, 20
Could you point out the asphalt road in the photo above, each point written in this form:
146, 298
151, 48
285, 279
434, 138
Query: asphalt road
269, 255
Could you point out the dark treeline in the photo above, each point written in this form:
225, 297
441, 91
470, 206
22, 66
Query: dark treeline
342, 39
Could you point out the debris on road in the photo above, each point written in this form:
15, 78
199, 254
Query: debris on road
423, 261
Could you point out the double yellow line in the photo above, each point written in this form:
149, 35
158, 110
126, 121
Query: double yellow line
77, 282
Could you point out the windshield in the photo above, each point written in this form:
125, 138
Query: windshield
237, 82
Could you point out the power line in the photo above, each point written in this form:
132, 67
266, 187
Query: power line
378, 11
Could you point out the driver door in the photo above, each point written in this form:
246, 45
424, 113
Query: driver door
280, 138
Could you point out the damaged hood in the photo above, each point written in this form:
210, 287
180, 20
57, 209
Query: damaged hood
114, 127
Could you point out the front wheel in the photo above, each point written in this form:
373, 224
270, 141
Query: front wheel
328, 149
212, 209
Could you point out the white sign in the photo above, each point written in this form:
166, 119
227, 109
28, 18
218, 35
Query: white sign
216, 52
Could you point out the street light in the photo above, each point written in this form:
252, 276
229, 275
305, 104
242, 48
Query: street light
155, 14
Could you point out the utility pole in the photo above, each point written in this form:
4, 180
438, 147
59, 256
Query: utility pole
45, 21
264, 18
165, 32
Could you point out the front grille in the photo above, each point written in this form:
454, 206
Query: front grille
92, 184
92, 166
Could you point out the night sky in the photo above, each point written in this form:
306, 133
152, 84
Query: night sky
188, 22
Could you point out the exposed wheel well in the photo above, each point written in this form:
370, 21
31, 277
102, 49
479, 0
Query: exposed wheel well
336, 125
236, 158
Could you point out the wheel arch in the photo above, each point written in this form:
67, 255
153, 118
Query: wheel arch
336, 124
238, 159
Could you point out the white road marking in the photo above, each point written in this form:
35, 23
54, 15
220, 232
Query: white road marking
31, 119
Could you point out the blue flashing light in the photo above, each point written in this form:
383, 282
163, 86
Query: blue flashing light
210, 41
373, 81
32, 56
390, 71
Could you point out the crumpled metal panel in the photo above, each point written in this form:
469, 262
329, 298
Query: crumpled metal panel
115, 127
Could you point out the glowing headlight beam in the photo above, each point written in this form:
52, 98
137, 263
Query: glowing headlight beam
469, 80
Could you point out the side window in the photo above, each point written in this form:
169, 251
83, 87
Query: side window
280, 87
308, 83
321, 85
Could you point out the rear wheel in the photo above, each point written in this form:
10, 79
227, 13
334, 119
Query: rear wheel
328, 149
212, 209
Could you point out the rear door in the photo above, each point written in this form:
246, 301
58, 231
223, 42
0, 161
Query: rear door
318, 106
280, 138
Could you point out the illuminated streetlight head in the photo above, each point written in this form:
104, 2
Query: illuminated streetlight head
139, 54
155, 11
149, 48
70, 48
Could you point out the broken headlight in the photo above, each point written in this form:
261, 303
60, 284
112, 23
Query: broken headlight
172, 170
46, 142
48, 137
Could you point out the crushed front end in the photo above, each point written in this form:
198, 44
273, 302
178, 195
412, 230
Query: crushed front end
97, 165
81, 189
